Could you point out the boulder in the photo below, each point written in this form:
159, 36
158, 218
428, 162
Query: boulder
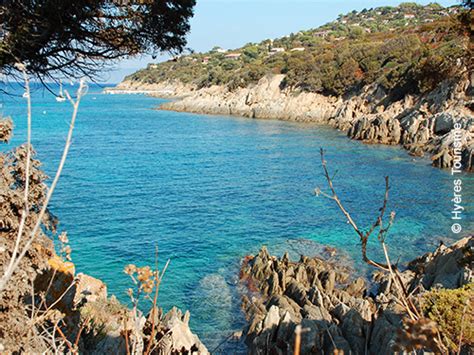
88, 289
443, 123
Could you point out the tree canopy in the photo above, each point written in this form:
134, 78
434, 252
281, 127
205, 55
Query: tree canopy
56, 38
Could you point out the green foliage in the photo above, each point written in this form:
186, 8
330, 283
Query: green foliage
452, 310
73, 39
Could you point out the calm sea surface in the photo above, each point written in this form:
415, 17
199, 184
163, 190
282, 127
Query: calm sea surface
208, 190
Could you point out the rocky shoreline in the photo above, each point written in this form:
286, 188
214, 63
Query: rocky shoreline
92, 321
421, 124
337, 313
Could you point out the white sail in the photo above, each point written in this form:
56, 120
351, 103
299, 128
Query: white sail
60, 97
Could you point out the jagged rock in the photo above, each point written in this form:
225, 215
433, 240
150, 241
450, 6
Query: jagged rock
329, 280
286, 327
444, 123
447, 267
356, 288
468, 158
337, 313
286, 304
181, 339
296, 292
312, 337
315, 312
384, 335
354, 329
272, 318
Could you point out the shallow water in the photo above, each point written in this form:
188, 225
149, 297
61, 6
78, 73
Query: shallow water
208, 190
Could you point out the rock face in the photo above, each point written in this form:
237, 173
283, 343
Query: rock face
109, 320
177, 337
335, 311
422, 124
265, 100
81, 302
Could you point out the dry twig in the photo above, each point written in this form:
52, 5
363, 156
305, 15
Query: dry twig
364, 237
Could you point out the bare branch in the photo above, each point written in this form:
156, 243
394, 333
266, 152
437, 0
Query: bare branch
25, 211
363, 237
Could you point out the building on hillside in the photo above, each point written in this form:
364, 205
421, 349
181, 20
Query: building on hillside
277, 49
205, 60
220, 50
409, 16
233, 56
297, 49
322, 33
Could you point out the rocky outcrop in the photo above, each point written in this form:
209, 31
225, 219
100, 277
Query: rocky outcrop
89, 318
440, 123
166, 89
422, 124
265, 100
336, 311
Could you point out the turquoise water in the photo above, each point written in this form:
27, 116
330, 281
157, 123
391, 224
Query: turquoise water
208, 190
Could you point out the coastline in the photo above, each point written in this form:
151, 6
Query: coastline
423, 125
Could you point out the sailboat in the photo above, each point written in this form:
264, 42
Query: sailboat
60, 97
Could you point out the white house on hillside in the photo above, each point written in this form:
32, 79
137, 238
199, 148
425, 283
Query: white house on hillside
277, 49
233, 55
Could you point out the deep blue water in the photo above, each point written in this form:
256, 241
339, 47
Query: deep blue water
208, 190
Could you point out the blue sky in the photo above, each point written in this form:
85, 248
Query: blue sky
232, 23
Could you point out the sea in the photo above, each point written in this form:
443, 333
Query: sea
204, 191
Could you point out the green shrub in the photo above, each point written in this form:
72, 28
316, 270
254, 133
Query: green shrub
452, 310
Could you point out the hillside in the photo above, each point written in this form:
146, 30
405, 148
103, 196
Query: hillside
408, 48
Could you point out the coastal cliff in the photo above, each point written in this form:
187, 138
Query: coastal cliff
421, 124
387, 75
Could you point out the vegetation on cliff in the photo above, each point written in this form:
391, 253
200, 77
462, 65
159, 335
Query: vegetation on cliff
406, 49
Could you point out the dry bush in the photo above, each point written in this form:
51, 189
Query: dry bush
6, 129
30, 299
